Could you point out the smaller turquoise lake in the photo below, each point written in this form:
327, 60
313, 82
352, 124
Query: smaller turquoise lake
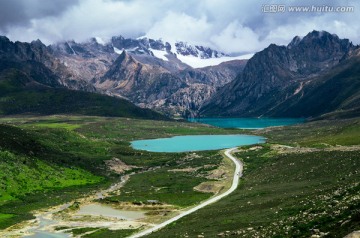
248, 123
196, 143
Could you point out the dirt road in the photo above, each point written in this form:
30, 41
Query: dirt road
235, 183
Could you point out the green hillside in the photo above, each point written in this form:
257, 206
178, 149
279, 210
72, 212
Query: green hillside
42, 167
311, 189
20, 93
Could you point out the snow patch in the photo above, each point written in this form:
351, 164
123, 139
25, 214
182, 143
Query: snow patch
132, 49
100, 41
117, 51
141, 37
299, 88
160, 54
196, 62
173, 48
74, 53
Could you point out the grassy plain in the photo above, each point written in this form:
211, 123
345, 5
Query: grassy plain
311, 189
55, 159
308, 187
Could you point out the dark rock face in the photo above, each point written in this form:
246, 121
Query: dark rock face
36, 57
317, 52
31, 59
35, 51
333, 94
277, 73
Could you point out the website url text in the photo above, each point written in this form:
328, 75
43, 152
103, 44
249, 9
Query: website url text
280, 8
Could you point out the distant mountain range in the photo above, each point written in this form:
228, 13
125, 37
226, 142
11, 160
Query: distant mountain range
150, 73
313, 76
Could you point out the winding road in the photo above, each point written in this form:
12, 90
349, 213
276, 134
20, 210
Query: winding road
235, 183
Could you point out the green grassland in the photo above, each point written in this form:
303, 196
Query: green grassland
280, 195
111, 234
28, 87
51, 160
288, 195
164, 187
170, 187
22, 175
317, 133
92, 232
43, 166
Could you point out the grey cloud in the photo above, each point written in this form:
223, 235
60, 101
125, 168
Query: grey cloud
21, 12
11, 13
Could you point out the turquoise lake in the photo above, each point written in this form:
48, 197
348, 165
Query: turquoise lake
196, 143
248, 123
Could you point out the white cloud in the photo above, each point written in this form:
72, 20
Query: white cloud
237, 38
344, 28
181, 27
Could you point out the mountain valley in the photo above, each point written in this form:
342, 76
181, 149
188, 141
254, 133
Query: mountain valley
69, 113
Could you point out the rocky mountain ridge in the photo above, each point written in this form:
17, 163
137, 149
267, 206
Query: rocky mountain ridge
278, 73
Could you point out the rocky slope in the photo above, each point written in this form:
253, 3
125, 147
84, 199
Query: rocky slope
82, 62
335, 94
144, 84
275, 76
174, 93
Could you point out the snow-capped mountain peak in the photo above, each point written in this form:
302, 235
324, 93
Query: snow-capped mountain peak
194, 56
185, 49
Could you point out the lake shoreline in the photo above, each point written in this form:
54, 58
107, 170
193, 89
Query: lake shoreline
247, 123
196, 143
